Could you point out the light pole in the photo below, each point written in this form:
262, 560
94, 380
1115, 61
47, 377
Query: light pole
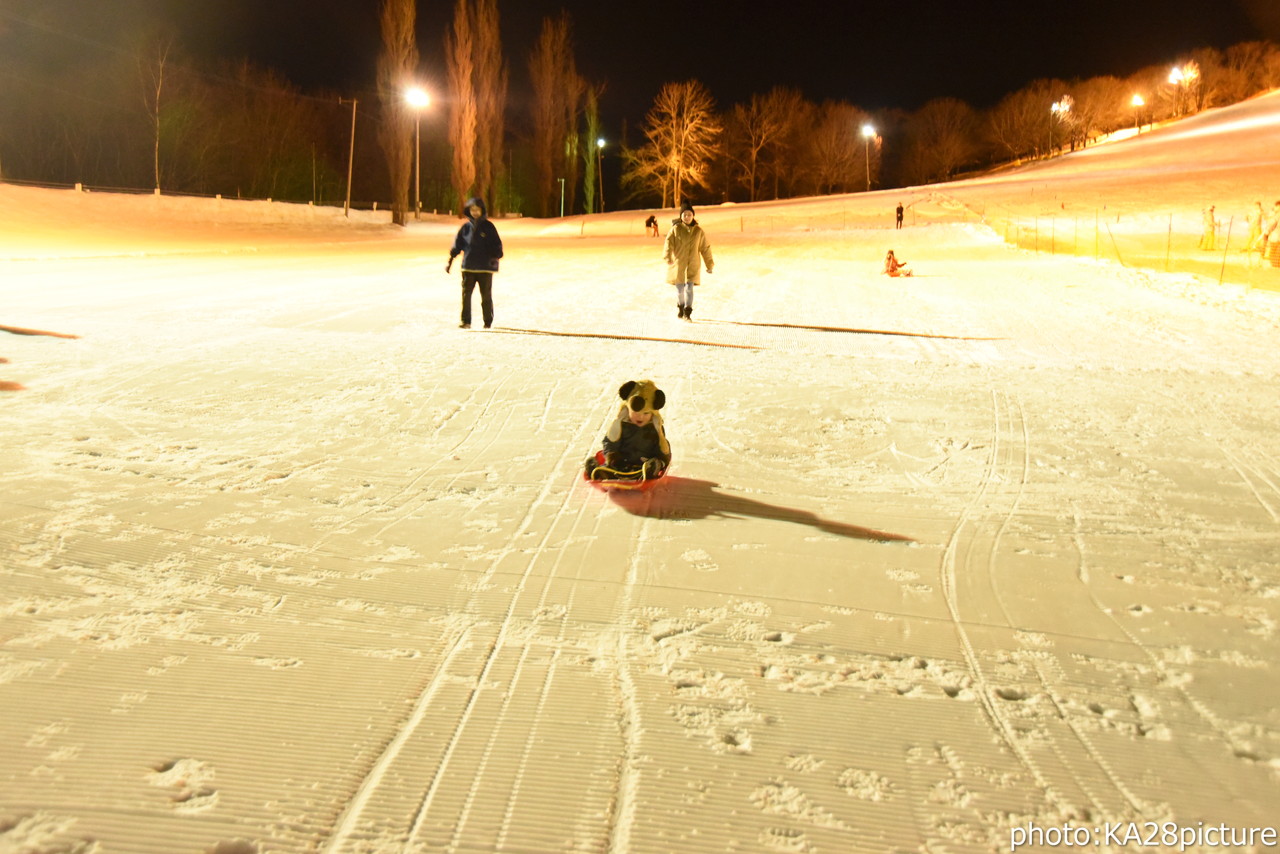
1059, 109
867, 132
1138, 103
418, 99
561, 180
600, 170
351, 158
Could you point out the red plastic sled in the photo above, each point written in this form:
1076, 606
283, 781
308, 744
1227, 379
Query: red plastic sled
607, 479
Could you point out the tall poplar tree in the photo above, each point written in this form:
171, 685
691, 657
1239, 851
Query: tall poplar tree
463, 112
490, 83
396, 67
557, 102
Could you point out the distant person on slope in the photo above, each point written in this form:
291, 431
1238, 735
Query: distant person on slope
894, 267
651, 224
686, 243
1271, 237
898, 222
1256, 220
480, 247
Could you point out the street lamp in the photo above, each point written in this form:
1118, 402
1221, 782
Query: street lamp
600, 169
351, 158
867, 132
1138, 103
418, 99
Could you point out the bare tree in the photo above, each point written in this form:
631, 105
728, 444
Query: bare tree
1101, 105
154, 71
682, 129
1020, 124
645, 173
396, 67
490, 84
839, 157
789, 167
1256, 68
758, 128
558, 91
942, 135
464, 108
590, 154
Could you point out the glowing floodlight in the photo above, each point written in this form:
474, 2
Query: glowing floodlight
417, 97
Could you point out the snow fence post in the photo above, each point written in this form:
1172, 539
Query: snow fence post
1222, 272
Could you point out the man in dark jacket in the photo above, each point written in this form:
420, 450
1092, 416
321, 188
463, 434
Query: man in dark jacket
480, 247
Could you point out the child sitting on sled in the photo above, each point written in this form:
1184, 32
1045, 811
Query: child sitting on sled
635, 445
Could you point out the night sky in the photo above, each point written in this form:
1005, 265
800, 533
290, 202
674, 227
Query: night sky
875, 55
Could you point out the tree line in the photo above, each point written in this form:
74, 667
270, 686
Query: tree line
780, 145
144, 116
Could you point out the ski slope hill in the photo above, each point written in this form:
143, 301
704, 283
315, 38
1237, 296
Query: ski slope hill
292, 563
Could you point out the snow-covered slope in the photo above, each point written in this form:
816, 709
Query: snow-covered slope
291, 563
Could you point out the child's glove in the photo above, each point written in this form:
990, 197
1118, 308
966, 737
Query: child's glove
613, 460
448, 265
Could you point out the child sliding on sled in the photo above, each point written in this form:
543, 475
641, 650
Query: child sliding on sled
635, 445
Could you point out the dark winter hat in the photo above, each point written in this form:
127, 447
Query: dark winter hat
686, 207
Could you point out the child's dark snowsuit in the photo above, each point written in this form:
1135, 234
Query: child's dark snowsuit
635, 445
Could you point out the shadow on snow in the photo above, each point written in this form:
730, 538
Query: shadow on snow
851, 330
688, 498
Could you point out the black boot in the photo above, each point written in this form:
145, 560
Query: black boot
679, 311
688, 312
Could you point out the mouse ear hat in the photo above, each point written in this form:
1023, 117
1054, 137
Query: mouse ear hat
640, 396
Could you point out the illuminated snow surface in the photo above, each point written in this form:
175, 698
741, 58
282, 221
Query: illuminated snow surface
291, 563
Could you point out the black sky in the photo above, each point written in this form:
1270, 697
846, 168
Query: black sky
875, 55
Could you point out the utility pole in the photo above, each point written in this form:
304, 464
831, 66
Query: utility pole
561, 180
351, 157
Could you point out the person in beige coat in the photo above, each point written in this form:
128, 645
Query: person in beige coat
686, 245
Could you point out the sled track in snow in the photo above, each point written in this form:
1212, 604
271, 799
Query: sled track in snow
366, 818
983, 688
